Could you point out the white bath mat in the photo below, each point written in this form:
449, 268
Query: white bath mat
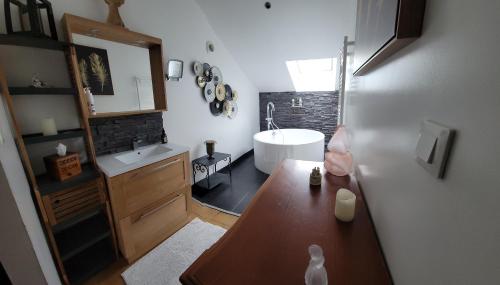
165, 263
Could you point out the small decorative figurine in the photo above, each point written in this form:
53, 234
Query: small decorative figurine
37, 83
114, 17
315, 177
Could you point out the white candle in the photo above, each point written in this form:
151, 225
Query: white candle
49, 127
345, 205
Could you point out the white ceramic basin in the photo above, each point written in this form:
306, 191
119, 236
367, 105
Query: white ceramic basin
141, 154
119, 163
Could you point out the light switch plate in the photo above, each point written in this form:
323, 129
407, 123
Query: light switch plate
1, 138
433, 147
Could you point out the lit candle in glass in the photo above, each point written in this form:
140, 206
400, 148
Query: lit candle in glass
345, 205
49, 127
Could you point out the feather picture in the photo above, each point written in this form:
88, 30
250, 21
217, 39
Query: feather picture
98, 69
82, 65
94, 69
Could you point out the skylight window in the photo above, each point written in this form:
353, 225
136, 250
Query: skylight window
313, 74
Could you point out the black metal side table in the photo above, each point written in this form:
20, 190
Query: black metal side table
202, 165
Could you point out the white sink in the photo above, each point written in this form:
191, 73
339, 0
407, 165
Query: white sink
119, 163
142, 153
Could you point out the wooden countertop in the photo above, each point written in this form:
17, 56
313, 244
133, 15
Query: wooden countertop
269, 242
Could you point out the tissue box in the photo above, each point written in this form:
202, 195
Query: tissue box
63, 167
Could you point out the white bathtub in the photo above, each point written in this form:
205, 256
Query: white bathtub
300, 144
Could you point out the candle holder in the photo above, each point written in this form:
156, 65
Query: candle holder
345, 205
48, 126
210, 148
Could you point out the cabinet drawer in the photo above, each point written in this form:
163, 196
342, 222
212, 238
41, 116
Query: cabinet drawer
135, 190
65, 204
144, 230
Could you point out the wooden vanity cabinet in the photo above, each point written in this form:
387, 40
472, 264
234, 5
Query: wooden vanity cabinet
150, 204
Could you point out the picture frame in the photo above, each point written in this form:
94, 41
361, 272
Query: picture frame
383, 27
94, 68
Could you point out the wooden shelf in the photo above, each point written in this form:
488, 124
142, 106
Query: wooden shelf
47, 185
62, 135
29, 41
84, 265
41, 91
82, 235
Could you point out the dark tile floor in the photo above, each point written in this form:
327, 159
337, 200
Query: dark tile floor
234, 198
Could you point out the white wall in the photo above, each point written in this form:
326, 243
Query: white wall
18, 245
263, 40
16, 252
184, 30
435, 231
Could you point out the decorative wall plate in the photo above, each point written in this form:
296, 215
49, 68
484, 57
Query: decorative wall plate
229, 92
200, 80
198, 68
228, 108
206, 67
220, 91
234, 95
208, 75
216, 107
217, 75
234, 111
209, 92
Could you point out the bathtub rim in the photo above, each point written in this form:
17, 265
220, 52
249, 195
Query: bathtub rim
285, 144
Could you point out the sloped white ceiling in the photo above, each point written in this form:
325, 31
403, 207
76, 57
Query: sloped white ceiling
262, 40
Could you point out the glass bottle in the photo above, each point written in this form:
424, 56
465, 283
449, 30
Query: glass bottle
316, 272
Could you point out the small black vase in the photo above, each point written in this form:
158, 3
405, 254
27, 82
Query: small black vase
210, 148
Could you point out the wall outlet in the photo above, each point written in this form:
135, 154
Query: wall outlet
1, 138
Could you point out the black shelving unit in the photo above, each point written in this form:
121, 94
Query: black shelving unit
84, 242
48, 185
61, 135
77, 238
77, 219
26, 91
27, 41
90, 261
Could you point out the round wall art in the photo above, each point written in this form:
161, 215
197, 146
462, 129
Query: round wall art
219, 95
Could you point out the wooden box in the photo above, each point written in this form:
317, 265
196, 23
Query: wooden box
63, 167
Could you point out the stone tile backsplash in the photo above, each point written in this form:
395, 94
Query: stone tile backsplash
115, 134
319, 111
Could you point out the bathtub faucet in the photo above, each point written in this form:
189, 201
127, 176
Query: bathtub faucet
269, 119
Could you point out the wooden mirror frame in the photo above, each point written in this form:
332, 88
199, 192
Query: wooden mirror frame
78, 25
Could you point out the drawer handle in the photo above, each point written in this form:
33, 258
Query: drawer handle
142, 173
149, 213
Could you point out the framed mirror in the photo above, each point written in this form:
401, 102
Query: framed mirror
123, 69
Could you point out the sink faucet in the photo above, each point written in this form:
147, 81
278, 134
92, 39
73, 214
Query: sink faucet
136, 142
269, 119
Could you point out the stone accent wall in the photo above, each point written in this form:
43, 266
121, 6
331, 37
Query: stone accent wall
115, 134
319, 112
